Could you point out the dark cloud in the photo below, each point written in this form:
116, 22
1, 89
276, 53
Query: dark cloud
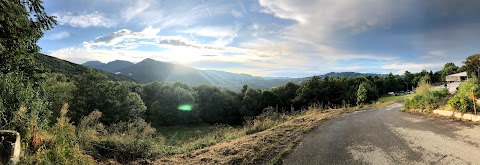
109, 38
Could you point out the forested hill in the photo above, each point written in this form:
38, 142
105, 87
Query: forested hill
56, 65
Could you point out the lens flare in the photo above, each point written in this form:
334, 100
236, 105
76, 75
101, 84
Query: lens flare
185, 107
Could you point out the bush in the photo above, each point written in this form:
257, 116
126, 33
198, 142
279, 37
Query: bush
269, 118
60, 145
462, 100
124, 141
426, 98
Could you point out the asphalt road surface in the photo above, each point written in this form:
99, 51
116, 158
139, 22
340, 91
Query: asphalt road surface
388, 136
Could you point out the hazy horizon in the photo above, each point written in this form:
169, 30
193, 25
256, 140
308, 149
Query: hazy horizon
268, 38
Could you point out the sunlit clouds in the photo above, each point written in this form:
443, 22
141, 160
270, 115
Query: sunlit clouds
268, 38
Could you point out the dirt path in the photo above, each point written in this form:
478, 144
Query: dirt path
388, 136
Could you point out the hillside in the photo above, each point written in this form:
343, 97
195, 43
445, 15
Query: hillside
56, 65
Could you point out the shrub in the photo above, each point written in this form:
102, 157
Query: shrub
124, 141
60, 145
426, 98
269, 118
462, 100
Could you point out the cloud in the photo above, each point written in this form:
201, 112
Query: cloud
85, 20
121, 35
400, 68
133, 10
438, 53
58, 35
223, 35
237, 14
319, 18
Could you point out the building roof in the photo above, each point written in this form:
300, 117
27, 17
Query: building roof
461, 74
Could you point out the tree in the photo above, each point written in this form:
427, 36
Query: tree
22, 24
118, 103
87, 94
168, 98
472, 64
218, 106
312, 91
251, 103
448, 69
116, 100
361, 94
287, 94
57, 91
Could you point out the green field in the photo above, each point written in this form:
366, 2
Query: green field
176, 135
394, 98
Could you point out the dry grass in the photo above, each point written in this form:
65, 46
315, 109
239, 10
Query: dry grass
251, 148
268, 146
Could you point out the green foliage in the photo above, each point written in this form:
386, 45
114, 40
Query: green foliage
426, 97
448, 69
462, 100
124, 141
361, 94
60, 145
19, 34
116, 100
287, 94
472, 65
218, 106
251, 103
57, 91
167, 97
54, 65
21, 106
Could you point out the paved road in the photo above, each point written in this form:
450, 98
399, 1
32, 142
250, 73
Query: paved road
388, 136
452, 87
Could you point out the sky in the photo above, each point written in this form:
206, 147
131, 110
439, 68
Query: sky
282, 38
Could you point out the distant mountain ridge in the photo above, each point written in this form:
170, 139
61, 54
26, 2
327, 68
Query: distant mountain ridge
110, 66
150, 70
348, 74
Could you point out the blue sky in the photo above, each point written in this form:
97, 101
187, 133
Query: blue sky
266, 37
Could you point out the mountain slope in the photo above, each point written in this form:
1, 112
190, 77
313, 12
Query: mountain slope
55, 65
111, 67
150, 70
93, 63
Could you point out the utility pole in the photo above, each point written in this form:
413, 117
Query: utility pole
474, 102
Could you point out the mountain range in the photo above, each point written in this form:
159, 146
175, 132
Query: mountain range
150, 70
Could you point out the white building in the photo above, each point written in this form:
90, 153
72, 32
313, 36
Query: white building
457, 77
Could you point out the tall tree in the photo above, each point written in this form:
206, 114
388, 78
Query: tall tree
472, 65
22, 24
361, 94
